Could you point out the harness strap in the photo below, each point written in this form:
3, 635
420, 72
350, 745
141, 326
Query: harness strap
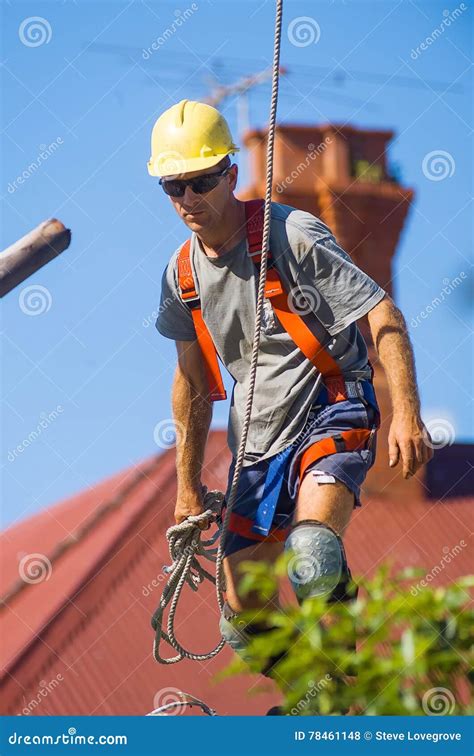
271, 492
244, 526
254, 223
336, 389
259, 528
303, 337
349, 440
275, 292
293, 323
208, 350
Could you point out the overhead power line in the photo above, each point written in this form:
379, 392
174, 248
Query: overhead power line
234, 66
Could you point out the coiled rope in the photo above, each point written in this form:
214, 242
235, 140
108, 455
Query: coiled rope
185, 539
185, 546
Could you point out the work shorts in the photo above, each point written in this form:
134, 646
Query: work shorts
348, 467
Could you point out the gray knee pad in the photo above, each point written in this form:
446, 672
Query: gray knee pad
238, 634
318, 566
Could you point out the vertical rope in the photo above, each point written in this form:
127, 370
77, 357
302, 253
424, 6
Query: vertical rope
220, 579
184, 539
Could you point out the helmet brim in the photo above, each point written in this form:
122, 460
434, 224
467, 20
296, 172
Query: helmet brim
179, 167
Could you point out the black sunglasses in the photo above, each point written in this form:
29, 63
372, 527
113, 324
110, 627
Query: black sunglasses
199, 184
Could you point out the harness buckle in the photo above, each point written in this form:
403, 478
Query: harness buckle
359, 390
256, 254
191, 299
339, 443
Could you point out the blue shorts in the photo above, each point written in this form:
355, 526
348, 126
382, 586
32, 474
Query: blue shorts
349, 467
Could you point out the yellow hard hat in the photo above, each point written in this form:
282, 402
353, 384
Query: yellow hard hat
189, 136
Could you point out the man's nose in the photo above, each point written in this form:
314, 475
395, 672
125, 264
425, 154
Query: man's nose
189, 197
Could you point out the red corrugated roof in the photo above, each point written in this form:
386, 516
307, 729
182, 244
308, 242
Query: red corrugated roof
87, 627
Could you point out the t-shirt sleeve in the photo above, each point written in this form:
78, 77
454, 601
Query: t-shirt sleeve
174, 319
341, 292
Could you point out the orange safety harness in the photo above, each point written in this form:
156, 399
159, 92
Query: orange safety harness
293, 323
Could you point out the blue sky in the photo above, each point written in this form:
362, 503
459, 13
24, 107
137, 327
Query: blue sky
84, 367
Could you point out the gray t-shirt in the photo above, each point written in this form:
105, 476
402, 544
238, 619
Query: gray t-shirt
327, 289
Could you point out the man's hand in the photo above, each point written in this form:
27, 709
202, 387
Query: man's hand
189, 503
407, 441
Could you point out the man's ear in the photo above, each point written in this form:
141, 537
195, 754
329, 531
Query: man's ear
233, 173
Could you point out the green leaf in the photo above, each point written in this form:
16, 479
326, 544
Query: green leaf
408, 641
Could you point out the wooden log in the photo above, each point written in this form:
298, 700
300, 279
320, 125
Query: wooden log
31, 252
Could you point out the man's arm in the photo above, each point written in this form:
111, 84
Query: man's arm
408, 435
192, 412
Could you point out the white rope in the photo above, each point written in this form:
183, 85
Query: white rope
185, 538
185, 546
220, 580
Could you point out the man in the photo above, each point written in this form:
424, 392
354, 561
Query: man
312, 431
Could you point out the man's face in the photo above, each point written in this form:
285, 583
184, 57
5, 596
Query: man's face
199, 211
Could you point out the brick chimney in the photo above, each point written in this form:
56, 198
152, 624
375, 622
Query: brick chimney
340, 174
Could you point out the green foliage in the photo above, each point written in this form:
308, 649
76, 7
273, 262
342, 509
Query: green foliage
414, 646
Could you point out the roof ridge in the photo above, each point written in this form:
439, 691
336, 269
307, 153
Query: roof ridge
87, 526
